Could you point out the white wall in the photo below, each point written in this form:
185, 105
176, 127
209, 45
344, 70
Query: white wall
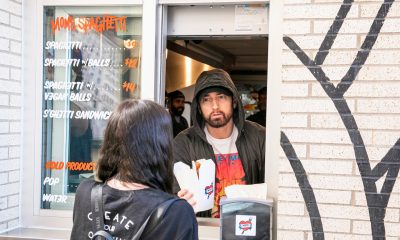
315, 129
10, 111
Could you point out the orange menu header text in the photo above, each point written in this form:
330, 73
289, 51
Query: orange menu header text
85, 24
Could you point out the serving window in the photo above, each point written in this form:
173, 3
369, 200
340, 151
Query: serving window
91, 62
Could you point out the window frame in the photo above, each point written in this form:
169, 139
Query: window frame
32, 216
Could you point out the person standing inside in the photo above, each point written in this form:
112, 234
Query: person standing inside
135, 170
176, 106
221, 133
260, 116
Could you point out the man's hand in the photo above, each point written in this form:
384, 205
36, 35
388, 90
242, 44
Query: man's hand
188, 196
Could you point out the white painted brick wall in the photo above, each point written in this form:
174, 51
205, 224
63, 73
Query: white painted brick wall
11, 86
327, 1
3, 203
4, 46
15, 127
9, 165
296, 27
295, 74
290, 235
3, 152
15, 100
10, 59
387, 41
13, 200
15, 74
378, 106
350, 26
4, 100
330, 236
340, 57
291, 208
288, 58
14, 152
364, 89
301, 150
294, 120
383, 57
4, 17
3, 178
9, 189
324, 136
296, 1
369, 10
379, 73
295, 90
313, 124
10, 139
4, 127
10, 111
15, 47
9, 213
294, 223
333, 196
316, 105
385, 138
10, 114
352, 212
13, 176
331, 151
11, 7
316, 11
4, 71
303, 223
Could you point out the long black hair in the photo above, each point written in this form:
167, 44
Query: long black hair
137, 145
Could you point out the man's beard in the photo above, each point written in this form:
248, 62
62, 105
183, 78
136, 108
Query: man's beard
223, 121
177, 111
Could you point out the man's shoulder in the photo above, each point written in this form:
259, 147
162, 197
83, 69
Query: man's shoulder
250, 126
186, 135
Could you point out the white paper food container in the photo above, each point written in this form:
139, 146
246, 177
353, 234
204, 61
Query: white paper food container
202, 187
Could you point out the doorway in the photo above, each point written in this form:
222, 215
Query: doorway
230, 37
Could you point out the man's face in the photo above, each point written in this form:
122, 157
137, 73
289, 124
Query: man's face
178, 106
216, 109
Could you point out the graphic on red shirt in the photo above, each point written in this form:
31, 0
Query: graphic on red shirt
229, 171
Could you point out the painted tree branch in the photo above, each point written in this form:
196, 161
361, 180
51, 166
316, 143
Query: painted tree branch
305, 187
390, 164
333, 32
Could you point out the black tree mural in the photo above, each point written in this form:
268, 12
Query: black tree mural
377, 200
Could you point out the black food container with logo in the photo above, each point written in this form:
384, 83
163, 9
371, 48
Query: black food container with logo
246, 219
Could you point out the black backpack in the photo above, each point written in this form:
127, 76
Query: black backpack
98, 221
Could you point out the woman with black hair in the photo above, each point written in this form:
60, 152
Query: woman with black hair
136, 169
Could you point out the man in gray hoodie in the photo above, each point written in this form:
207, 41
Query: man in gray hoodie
221, 133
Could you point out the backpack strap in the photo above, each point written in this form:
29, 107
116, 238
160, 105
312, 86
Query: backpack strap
155, 216
96, 202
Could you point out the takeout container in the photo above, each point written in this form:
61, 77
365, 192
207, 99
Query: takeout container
200, 182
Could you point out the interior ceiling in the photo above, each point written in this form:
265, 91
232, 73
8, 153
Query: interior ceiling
244, 59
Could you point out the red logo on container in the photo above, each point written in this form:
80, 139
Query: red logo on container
245, 225
209, 190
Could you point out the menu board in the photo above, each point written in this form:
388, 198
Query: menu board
91, 63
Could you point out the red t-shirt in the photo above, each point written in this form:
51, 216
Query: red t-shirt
229, 168
229, 171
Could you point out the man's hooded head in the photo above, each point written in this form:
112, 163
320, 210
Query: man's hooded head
216, 81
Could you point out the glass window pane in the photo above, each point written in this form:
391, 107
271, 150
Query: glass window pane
91, 63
